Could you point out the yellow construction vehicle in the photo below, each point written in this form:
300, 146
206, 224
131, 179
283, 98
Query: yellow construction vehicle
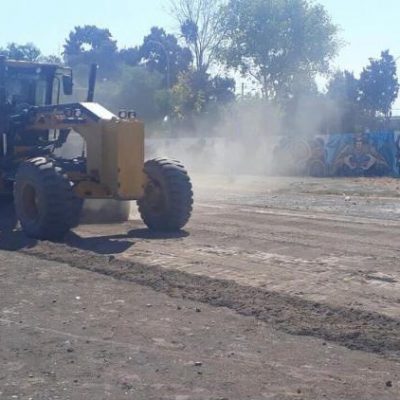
49, 190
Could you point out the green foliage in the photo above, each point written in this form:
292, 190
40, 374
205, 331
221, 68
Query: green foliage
130, 56
190, 31
344, 92
197, 92
222, 89
188, 95
89, 44
362, 102
134, 88
139, 90
379, 85
161, 52
278, 41
25, 52
282, 45
344, 87
156, 79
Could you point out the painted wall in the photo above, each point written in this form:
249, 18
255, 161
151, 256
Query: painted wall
370, 154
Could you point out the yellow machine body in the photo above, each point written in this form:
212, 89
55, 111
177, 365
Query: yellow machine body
115, 159
46, 171
114, 152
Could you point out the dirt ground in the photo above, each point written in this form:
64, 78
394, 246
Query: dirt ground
278, 288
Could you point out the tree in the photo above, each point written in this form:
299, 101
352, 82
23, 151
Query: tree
278, 42
299, 100
344, 92
161, 52
222, 89
200, 22
130, 56
90, 44
189, 93
25, 52
379, 85
195, 91
139, 91
134, 88
344, 87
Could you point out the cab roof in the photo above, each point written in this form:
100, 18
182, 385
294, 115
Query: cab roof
17, 64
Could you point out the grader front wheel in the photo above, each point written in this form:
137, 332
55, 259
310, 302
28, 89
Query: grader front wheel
167, 203
45, 203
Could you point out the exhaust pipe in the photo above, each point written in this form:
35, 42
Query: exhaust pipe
92, 82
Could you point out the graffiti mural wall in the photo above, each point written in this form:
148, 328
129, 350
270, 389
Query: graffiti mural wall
369, 154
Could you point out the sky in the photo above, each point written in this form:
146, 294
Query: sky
366, 26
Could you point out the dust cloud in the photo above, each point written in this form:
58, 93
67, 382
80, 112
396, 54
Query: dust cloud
247, 139
243, 143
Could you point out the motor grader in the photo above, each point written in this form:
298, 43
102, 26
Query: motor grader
48, 190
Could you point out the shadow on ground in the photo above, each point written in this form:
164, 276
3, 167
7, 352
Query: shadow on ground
12, 238
119, 243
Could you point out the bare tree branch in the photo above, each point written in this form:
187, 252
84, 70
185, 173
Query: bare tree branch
205, 16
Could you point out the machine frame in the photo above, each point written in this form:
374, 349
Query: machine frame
34, 124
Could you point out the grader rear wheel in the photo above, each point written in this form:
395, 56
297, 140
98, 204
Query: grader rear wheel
167, 203
45, 203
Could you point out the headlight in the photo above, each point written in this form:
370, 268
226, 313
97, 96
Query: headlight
123, 114
132, 114
78, 113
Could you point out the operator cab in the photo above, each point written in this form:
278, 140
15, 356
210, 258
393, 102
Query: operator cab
24, 85
30, 89
36, 84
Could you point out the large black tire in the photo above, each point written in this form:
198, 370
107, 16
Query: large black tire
45, 203
168, 200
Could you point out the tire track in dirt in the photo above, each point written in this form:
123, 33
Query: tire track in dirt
304, 230
353, 328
